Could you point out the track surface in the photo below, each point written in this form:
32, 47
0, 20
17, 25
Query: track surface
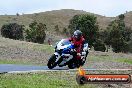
20, 68
13, 67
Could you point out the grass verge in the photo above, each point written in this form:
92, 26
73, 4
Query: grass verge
8, 61
110, 58
90, 58
125, 60
41, 80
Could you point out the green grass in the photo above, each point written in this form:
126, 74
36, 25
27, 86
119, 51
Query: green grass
124, 60
47, 48
50, 50
41, 80
110, 58
8, 61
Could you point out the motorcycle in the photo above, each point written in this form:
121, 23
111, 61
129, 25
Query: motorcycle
64, 55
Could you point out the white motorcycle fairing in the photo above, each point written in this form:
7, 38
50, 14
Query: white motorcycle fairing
63, 54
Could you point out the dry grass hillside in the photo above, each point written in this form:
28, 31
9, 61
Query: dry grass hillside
21, 52
58, 17
128, 18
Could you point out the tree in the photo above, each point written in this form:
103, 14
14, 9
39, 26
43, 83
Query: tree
87, 24
118, 35
130, 44
12, 30
127, 34
74, 23
121, 17
36, 32
99, 45
117, 42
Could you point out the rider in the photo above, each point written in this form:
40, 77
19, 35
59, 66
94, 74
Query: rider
78, 40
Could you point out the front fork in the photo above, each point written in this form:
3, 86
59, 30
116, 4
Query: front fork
57, 56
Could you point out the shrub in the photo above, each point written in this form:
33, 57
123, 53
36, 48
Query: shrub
12, 30
118, 35
99, 45
36, 32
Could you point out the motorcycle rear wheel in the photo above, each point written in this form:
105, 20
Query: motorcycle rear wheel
83, 61
71, 65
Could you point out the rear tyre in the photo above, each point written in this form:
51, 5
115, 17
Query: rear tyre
83, 61
72, 65
51, 63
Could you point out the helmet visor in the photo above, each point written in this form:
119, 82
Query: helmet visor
76, 36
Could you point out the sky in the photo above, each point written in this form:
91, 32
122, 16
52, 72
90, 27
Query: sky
110, 8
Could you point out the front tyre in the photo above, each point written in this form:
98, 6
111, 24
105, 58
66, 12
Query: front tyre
51, 63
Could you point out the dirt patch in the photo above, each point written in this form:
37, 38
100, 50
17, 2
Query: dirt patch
106, 60
24, 55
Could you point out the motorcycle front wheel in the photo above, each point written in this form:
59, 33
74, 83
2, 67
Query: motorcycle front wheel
51, 63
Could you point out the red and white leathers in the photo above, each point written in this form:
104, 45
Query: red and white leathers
78, 45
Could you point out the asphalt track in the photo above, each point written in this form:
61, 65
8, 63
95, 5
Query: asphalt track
11, 68
14, 67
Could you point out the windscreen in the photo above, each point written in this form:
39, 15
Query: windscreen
65, 42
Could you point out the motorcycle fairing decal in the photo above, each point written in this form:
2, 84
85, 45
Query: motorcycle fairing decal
66, 60
57, 56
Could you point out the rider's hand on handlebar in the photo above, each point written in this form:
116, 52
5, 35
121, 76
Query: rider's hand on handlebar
73, 50
78, 54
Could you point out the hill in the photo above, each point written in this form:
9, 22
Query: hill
60, 18
128, 18
51, 18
